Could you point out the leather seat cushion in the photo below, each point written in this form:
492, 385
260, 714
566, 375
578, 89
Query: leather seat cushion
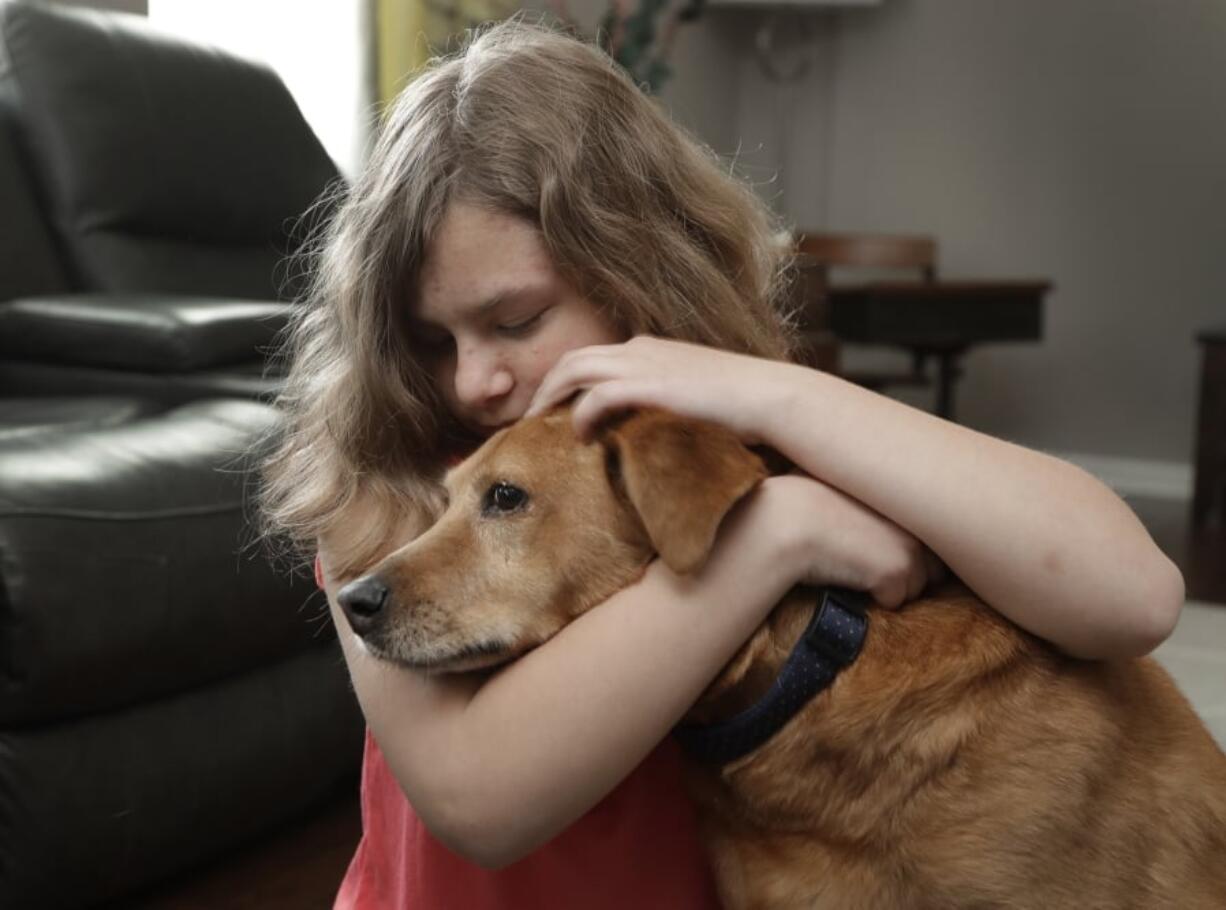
244, 380
129, 569
142, 332
31, 416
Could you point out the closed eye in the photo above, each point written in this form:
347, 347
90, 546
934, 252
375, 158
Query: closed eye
523, 327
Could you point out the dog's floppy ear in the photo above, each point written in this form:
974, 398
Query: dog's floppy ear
681, 476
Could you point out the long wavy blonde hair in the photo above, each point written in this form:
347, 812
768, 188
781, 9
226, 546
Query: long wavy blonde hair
634, 213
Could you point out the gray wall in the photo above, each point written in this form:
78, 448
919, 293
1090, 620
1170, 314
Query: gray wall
1080, 141
1083, 141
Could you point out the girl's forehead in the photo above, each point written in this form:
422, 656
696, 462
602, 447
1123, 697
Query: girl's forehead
478, 258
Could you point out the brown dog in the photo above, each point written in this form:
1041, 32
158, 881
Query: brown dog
958, 762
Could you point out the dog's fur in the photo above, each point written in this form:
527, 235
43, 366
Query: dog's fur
959, 762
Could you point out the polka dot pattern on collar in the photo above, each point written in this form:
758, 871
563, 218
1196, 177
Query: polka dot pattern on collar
831, 641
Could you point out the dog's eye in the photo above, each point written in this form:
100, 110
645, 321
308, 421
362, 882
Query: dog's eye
502, 497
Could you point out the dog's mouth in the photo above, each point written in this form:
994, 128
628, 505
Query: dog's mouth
483, 656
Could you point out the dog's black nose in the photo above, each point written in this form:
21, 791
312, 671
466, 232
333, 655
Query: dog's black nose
363, 600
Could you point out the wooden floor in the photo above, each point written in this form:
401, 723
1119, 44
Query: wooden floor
300, 869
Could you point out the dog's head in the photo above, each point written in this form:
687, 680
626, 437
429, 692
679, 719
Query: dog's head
540, 527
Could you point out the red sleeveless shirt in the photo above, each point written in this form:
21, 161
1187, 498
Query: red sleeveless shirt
638, 848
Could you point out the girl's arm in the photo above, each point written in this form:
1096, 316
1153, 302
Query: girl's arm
495, 767
1040, 540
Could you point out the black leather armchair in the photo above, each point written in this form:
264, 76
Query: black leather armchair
165, 695
168, 178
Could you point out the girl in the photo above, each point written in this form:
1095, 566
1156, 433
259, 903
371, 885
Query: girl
529, 226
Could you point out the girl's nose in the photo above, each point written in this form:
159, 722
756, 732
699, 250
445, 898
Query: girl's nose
481, 376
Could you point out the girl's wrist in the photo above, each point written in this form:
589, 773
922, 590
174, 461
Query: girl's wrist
790, 536
775, 402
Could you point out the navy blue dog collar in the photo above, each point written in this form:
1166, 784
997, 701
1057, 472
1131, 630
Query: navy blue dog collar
830, 642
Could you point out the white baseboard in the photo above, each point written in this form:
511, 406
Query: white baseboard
1136, 476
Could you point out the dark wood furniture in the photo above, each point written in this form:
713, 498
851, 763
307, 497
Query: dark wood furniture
941, 320
1209, 492
931, 319
904, 252
833, 257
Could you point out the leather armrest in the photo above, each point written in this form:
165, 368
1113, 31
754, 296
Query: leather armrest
147, 332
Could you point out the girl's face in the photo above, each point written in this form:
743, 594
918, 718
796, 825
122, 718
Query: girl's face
492, 316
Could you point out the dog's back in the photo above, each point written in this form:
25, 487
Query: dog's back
960, 762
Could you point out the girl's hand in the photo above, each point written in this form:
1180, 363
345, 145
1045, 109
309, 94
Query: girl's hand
687, 379
833, 539
836, 540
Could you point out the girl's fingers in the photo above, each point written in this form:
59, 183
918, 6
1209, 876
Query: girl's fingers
608, 398
575, 370
645, 371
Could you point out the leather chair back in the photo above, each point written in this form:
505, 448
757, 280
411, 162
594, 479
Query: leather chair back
163, 166
30, 263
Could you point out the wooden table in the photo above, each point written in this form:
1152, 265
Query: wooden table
938, 319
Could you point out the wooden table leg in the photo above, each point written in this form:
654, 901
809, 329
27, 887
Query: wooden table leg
949, 371
1209, 494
